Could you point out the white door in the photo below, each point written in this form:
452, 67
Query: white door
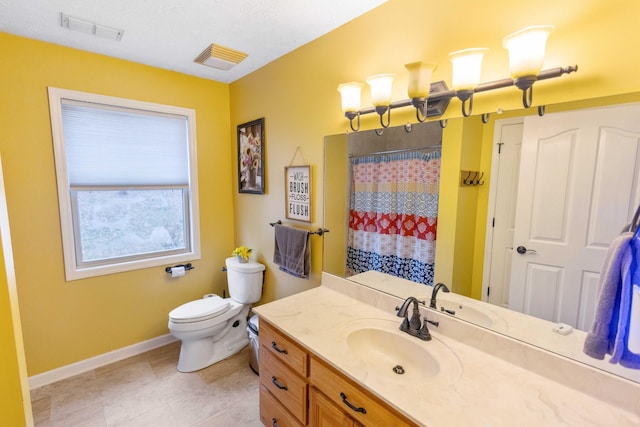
505, 168
578, 188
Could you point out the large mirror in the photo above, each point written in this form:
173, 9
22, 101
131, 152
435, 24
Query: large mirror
472, 257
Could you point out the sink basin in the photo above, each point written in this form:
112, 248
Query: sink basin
465, 312
392, 355
478, 316
383, 350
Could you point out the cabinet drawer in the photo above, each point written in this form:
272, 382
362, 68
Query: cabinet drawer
286, 386
283, 348
334, 385
272, 414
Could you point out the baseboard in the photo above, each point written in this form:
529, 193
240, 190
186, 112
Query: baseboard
67, 371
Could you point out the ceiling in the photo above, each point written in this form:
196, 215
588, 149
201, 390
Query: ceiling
170, 34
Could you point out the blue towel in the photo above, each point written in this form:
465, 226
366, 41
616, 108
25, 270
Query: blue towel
599, 340
292, 251
633, 342
618, 330
630, 278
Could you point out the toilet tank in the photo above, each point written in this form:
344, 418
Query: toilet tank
244, 280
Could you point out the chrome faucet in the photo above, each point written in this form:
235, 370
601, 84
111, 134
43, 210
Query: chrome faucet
414, 326
434, 292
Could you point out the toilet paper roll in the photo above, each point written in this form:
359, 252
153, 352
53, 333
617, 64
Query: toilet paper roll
177, 271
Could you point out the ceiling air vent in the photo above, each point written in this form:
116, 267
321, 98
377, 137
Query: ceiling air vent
91, 28
220, 57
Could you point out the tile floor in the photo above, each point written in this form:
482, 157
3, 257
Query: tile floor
147, 390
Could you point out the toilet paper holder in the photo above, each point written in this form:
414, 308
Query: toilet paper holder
186, 267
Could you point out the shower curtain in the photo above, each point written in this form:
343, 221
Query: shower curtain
393, 215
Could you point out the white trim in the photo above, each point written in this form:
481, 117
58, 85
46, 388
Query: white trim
14, 305
491, 205
74, 271
67, 371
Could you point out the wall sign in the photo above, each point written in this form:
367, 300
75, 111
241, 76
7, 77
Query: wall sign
297, 180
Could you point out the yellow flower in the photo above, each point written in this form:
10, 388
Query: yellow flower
243, 252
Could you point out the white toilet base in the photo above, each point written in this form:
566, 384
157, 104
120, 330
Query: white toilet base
200, 353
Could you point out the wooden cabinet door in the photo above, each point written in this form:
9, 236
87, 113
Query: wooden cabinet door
323, 413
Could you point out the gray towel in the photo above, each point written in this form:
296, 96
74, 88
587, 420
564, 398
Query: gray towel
292, 251
599, 339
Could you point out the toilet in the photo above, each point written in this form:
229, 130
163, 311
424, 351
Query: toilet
214, 328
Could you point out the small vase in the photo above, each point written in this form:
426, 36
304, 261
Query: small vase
241, 259
252, 177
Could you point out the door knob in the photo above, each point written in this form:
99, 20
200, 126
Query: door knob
522, 250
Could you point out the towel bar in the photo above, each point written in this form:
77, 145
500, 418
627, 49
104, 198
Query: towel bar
319, 231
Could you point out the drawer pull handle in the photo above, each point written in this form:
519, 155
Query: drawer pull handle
279, 350
273, 422
275, 383
351, 405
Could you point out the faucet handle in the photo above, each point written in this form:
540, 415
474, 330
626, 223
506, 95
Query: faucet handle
424, 333
404, 326
414, 323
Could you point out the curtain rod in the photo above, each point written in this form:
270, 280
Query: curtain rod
401, 150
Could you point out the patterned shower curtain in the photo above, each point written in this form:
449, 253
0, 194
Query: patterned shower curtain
393, 215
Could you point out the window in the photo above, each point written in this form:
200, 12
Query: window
127, 183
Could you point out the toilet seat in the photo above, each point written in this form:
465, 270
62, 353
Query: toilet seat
199, 310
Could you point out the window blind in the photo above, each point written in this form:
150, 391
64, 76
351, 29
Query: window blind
107, 145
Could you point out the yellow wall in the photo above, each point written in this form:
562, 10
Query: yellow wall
297, 94
65, 322
15, 403
11, 395
336, 207
448, 202
466, 210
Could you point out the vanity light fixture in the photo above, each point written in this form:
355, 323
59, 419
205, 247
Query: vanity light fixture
420, 86
467, 66
526, 56
526, 49
350, 94
381, 95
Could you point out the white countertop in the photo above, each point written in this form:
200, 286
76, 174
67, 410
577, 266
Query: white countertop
535, 331
473, 387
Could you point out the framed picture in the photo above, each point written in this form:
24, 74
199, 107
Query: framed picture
297, 184
251, 157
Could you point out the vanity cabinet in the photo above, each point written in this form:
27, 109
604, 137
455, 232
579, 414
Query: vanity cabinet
284, 385
324, 413
273, 414
353, 400
297, 388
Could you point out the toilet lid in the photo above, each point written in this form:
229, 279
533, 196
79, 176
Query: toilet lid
198, 310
